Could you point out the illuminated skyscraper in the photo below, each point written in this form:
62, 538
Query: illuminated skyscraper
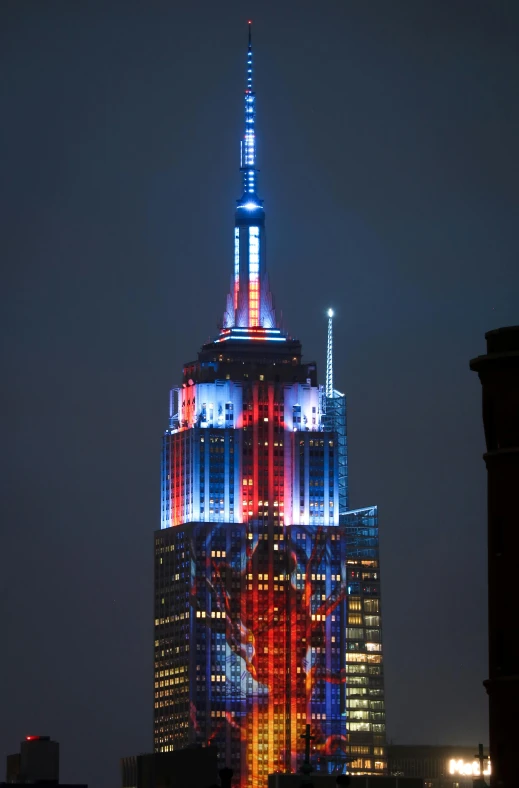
267, 594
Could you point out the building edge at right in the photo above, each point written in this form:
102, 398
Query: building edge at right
498, 372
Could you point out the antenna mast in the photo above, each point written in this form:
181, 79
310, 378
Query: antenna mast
334, 418
329, 357
248, 145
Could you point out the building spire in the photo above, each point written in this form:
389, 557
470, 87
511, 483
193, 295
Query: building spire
248, 145
329, 356
250, 303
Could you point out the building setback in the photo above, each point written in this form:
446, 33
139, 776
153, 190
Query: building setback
267, 587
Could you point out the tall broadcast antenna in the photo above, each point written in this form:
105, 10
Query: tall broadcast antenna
329, 356
334, 409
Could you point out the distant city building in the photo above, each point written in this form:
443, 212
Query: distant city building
12, 772
437, 766
498, 372
267, 586
36, 763
192, 767
330, 781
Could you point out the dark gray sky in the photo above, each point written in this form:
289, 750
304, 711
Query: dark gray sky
388, 147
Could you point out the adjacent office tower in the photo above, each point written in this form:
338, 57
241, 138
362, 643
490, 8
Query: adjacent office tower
498, 371
267, 592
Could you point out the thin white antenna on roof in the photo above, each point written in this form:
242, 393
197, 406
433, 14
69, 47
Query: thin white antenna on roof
329, 356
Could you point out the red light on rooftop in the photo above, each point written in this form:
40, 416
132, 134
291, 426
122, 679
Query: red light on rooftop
32, 738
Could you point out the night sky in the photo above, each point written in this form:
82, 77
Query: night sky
387, 135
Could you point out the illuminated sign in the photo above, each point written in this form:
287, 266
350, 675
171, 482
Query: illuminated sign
467, 768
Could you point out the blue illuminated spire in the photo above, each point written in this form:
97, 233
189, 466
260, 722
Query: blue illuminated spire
248, 145
249, 303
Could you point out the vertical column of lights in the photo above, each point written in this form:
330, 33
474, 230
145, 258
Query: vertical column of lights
310, 603
261, 602
249, 146
304, 633
304, 508
314, 629
273, 590
247, 598
279, 631
236, 266
212, 477
177, 478
254, 249
248, 485
263, 587
189, 481
275, 741
166, 483
303, 601
276, 469
237, 422
250, 152
269, 604
228, 466
201, 477
256, 600
325, 706
288, 460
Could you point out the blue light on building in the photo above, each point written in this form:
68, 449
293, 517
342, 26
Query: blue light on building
267, 588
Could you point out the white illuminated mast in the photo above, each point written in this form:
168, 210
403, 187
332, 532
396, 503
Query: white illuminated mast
329, 356
248, 145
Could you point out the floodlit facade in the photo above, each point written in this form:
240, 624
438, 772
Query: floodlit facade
267, 588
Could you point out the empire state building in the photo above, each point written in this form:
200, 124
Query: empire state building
267, 587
